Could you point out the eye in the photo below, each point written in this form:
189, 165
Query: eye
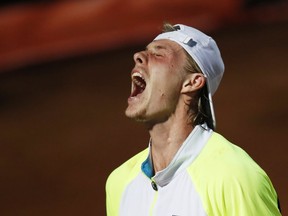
157, 54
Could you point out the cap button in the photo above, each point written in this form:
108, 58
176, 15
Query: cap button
154, 186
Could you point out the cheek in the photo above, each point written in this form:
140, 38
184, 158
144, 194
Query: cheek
168, 94
166, 80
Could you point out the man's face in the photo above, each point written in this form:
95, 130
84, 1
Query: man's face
156, 82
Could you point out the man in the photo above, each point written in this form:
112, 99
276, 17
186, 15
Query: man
188, 169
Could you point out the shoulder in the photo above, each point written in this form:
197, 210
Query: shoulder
221, 152
222, 159
227, 177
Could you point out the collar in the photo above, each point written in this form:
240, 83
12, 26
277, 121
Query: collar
186, 154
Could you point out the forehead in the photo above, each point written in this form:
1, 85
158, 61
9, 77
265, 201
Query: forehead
164, 44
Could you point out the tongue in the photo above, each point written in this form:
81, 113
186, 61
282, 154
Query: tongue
137, 90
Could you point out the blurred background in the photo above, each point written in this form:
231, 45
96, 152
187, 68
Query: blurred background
64, 82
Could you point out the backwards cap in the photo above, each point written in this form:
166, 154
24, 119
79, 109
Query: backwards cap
204, 51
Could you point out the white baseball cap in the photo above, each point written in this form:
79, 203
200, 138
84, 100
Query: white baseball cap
204, 51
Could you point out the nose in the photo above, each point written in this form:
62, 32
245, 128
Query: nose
140, 57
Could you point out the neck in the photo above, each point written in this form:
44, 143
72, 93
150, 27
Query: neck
167, 137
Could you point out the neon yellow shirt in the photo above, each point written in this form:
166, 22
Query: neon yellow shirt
208, 176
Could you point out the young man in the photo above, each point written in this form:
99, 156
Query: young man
188, 169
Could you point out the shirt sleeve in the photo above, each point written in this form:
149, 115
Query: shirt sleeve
231, 183
250, 196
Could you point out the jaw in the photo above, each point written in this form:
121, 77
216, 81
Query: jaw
146, 110
151, 109
136, 108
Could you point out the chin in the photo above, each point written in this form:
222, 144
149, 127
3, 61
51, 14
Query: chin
138, 116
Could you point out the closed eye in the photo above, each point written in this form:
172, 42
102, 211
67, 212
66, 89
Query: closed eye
157, 54
156, 50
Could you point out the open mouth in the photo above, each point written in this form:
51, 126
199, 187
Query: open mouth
138, 84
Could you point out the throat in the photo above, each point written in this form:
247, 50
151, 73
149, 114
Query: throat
162, 155
165, 143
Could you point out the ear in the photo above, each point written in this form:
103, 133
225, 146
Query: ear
193, 82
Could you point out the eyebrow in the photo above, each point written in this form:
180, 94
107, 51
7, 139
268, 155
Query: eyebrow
157, 47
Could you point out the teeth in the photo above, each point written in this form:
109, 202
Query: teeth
139, 82
136, 74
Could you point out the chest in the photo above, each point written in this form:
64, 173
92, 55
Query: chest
178, 198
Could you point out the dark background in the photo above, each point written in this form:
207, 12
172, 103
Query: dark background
63, 128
